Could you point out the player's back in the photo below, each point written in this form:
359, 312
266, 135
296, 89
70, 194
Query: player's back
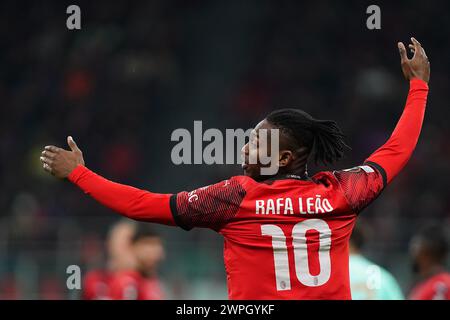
285, 238
289, 240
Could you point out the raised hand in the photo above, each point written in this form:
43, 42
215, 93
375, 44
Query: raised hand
417, 67
60, 162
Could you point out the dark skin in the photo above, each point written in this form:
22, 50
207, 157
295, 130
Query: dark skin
352, 249
291, 158
425, 262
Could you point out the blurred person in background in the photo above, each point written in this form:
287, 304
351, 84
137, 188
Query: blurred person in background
369, 281
120, 258
142, 281
428, 250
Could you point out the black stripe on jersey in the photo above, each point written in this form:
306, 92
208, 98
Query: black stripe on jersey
174, 210
380, 170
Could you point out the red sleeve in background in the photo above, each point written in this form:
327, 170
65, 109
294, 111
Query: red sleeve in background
395, 153
131, 202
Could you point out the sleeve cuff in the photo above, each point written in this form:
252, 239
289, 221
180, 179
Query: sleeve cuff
174, 210
76, 173
416, 83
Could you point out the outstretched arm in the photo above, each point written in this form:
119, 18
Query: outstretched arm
361, 185
395, 153
129, 201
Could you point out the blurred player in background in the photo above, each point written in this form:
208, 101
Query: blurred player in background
286, 235
369, 281
119, 258
141, 282
428, 251
134, 253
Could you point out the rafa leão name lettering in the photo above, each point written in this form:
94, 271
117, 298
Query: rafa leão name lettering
310, 205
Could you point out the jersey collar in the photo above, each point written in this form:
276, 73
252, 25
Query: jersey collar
303, 177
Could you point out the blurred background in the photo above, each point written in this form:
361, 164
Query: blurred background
137, 70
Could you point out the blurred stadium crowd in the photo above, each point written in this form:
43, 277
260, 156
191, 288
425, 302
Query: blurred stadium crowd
137, 70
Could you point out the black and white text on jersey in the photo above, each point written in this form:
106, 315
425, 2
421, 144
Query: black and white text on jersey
310, 205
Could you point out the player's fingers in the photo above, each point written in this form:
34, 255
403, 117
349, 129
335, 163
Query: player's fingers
415, 41
48, 154
424, 54
46, 161
52, 149
412, 48
47, 168
417, 47
73, 146
402, 50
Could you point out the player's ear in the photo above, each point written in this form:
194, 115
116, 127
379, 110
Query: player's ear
285, 158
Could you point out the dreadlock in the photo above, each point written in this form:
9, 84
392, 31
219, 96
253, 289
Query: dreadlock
322, 138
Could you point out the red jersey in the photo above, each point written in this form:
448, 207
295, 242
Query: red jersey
95, 285
121, 285
131, 285
436, 287
285, 238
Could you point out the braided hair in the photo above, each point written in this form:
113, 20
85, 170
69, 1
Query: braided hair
322, 138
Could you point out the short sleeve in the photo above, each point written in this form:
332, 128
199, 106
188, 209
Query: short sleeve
208, 207
361, 185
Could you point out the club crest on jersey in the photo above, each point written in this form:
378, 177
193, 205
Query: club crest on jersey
192, 196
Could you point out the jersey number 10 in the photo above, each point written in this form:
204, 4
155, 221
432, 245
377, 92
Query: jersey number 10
281, 259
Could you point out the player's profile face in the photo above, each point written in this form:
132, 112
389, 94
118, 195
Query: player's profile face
259, 145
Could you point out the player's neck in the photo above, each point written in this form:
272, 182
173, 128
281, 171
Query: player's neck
288, 175
298, 172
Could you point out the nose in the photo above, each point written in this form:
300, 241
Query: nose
244, 153
244, 149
